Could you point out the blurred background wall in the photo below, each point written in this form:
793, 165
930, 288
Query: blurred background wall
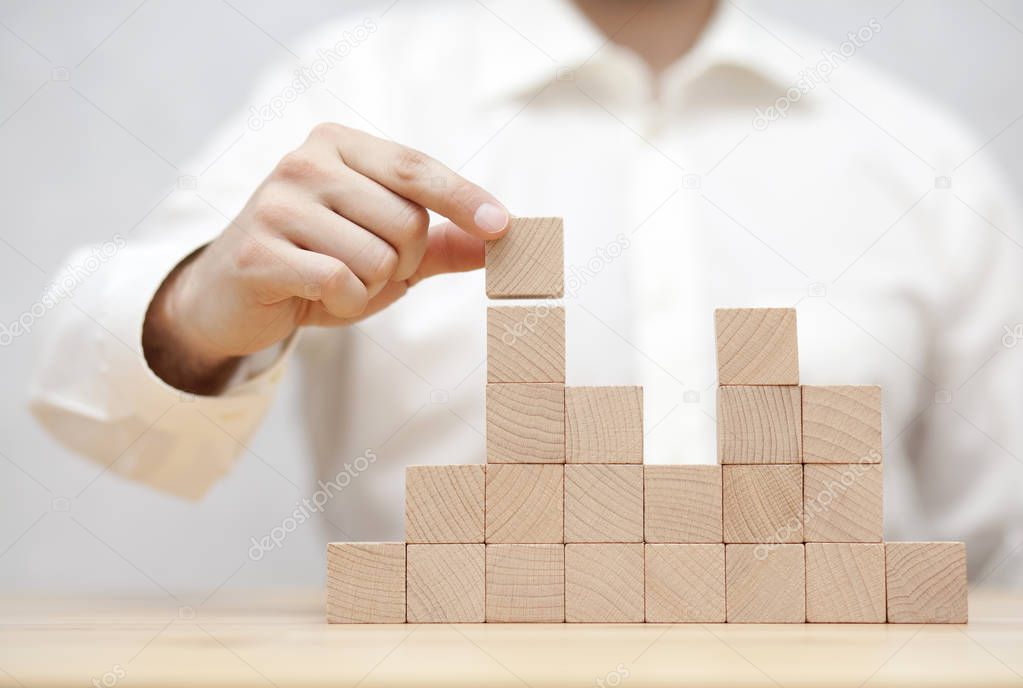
97, 98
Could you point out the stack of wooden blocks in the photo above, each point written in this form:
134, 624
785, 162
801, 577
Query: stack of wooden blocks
565, 523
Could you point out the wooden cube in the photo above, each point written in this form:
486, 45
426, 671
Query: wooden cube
445, 583
604, 425
366, 582
756, 346
845, 583
765, 584
603, 503
682, 504
926, 582
525, 423
685, 583
604, 583
526, 344
526, 583
528, 261
444, 504
759, 425
841, 424
525, 504
762, 503
843, 503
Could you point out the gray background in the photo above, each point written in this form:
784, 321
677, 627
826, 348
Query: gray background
84, 158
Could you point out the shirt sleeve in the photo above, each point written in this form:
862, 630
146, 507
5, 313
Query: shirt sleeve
95, 392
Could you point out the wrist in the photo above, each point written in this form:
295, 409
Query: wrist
174, 348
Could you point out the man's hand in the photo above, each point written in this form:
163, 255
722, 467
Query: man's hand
337, 232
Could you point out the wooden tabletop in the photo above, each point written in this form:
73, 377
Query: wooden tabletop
280, 639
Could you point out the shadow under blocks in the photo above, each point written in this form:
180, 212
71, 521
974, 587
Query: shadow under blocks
564, 522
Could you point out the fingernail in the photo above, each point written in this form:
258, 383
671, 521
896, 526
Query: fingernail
491, 218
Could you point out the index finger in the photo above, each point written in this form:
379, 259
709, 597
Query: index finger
421, 179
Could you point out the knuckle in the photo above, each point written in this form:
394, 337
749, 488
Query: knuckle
410, 165
351, 295
382, 266
300, 168
250, 254
413, 223
273, 212
329, 130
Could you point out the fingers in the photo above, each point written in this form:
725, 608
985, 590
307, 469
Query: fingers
312, 226
448, 249
319, 316
398, 221
419, 178
279, 271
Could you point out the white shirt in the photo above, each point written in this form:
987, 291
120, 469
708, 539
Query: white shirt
678, 197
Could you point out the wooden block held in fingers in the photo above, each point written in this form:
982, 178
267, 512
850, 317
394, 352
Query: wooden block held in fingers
526, 583
528, 261
446, 583
685, 583
526, 423
604, 425
525, 504
526, 344
444, 504
756, 346
604, 583
843, 502
926, 582
759, 425
366, 582
845, 583
765, 584
841, 424
762, 503
682, 504
603, 503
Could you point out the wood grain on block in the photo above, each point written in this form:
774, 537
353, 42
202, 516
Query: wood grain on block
445, 583
756, 346
685, 583
843, 502
765, 584
526, 344
604, 424
526, 583
526, 423
682, 503
845, 583
603, 503
525, 504
762, 504
841, 424
444, 504
926, 582
759, 424
604, 583
366, 582
528, 261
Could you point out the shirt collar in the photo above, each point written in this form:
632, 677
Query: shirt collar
564, 41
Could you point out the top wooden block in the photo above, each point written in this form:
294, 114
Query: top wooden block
529, 261
756, 346
841, 424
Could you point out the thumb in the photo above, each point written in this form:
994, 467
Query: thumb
448, 249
